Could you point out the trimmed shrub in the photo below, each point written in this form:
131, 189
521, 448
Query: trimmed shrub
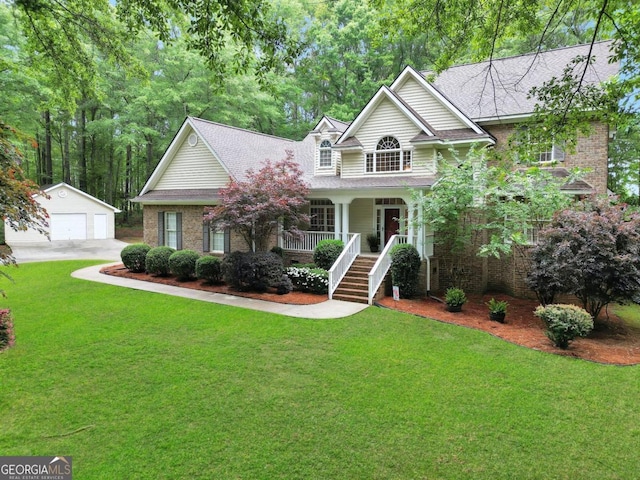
278, 251
7, 334
183, 264
565, 322
157, 261
209, 269
306, 279
327, 252
247, 271
133, 256
285, 286
405, 269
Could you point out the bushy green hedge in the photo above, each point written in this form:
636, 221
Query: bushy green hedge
327, 252
209, 269
7, 333
305, 279
405, 269
157, 260
133, 256
183, 264
252, 271
565, 322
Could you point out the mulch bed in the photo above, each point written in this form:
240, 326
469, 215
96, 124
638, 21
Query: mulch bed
293, 298
611, 342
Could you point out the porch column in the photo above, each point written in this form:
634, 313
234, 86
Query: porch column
337, 220
410, 228
421, 234
345, 222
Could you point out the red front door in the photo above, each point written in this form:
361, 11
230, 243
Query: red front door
391, 223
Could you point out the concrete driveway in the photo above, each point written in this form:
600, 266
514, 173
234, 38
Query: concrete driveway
68, 250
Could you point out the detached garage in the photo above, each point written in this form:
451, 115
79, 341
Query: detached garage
73, 215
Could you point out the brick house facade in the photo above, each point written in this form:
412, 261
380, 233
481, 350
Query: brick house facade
360, 173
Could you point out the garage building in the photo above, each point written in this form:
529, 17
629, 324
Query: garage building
73, 215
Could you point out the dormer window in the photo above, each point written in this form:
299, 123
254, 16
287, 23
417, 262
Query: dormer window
388, 157
325, 154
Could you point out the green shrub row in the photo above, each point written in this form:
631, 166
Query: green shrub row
162, 261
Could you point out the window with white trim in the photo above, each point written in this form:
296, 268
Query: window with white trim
322, 216
388, 157
325, 154
171, 229
216, 242
547, 153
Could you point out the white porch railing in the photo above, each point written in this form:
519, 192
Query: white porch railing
308, 242
343, 263
381, 267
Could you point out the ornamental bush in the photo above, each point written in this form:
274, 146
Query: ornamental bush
284, 286
157, 260
248, 271
7, 334
133, 256
306, 279
327, 252
405, 269
182, 264
209, 269
565, 322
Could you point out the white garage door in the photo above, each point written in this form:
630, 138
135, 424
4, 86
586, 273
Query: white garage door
100, 226
68, 226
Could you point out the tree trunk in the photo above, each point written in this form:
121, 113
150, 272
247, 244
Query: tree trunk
47, 159
82, 153
127, 183
66, 163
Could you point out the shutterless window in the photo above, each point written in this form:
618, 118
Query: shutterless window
325, 154
388, 157
322, 216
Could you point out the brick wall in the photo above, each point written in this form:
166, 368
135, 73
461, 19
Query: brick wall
591, 152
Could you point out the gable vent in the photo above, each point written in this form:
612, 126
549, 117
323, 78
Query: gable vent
193, 140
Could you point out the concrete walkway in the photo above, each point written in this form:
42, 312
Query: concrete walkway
324, 310
68, 250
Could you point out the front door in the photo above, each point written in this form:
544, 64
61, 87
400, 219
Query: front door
391, 223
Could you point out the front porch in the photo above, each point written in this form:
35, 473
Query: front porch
357, 275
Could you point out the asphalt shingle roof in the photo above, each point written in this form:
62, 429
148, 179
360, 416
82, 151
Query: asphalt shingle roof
240, 149
500, 87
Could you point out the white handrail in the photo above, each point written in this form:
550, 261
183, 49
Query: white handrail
340, 267
307, 242
382, 265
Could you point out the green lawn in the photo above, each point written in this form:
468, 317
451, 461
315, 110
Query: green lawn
140, 385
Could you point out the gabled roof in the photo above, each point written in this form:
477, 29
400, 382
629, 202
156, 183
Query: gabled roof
50, 188
410, 72
499, 88
331, 124
384, 93
236, 149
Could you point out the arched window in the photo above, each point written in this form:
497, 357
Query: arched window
325, 154
388, 157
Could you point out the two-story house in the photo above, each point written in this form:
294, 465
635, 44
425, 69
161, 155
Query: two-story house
360, 173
